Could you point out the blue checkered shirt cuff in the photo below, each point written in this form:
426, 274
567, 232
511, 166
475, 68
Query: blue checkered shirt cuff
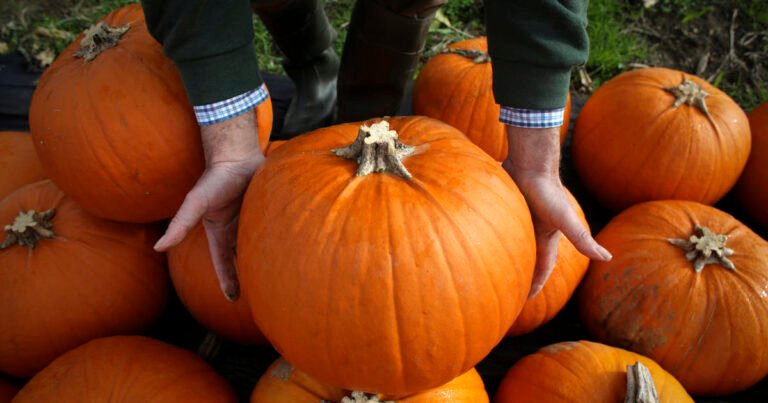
533, 118
229, 108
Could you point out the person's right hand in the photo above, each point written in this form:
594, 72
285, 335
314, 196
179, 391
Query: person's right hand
232, 156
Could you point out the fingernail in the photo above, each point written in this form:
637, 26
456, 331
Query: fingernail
159, 243
232, 296
603, 253
534, 291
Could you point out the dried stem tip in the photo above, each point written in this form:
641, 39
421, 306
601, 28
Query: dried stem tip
477, 56
640, 386
691, 94
98, 38
360, 397
377, 149
28, 227
705, 247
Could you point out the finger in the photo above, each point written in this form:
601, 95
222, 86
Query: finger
577, 233
189, 214
546, 256
221, 242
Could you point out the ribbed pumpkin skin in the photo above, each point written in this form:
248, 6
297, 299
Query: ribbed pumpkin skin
570, 268
751, 189
391, 286
282, 383
630, 144
582, 371
196, 284
95, 278
19, 165
127, 369
117, 133
7, 391
457, 91
272, 146
709, 328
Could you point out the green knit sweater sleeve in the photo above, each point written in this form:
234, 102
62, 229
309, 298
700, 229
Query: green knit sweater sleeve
211, 43
534, 44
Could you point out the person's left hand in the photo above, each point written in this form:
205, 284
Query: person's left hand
232, 156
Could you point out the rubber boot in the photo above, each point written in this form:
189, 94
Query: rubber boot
380, 57
301, 30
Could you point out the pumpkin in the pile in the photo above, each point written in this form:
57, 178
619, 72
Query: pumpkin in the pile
113, 126
127, 369
686, 287
455, 87
583, 371
657, 134
273, 145
195, 281
570, 268
68, 277
384, 264
283, 383
19, 165
7, 390
752, 188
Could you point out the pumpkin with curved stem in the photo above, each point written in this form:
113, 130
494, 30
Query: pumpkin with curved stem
282, 383
751, 188
19, 165
113, 126
656, 134
68, 277
570, 268
401, 252
686, 287
127, 369
195, 281
584, 371
455, 87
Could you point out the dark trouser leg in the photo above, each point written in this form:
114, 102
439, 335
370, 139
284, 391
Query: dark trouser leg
302, 32
381, 53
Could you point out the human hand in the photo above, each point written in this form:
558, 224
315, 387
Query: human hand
232, 155
533, 163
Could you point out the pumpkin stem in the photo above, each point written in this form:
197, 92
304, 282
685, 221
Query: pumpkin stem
28, 227
640, 386
477, 56
210, 347
705, 247
360, 397
98, 38
377, 149
691, 94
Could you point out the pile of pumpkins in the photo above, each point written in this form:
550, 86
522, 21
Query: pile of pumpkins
383, 260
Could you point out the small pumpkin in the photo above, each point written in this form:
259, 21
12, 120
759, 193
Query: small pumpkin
583, 371
127, 369
656, 134
68, 277
686, 287
400, 252
113, 126
196, 284
19, 165
751, 188
455, 87
282, 383
570, 268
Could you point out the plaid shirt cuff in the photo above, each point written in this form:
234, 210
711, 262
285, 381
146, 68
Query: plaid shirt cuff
533, 118
229, 108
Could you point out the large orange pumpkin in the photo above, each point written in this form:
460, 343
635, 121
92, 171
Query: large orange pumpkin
19, 165
455, 87
583, 371
115, 130
752, 188
282, 383
194, 278
391, 282
127, 369
702, 319
655, 134
91, 278
570, 268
